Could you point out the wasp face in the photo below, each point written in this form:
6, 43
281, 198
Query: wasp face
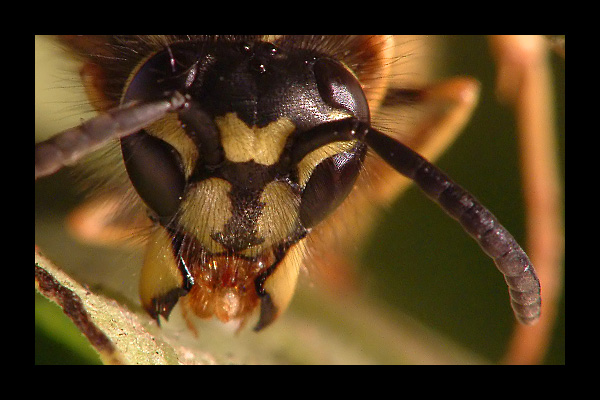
240, 146
242, 172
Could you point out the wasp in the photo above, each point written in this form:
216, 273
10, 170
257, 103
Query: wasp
241, 150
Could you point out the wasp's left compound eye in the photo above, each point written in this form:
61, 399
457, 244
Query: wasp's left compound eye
340, 89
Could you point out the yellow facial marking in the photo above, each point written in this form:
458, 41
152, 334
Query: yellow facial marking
307, 165
160, 273
279, 217
282, 283
169, 129
205, 210
243, 143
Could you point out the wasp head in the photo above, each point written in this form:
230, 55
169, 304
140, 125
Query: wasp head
241, 173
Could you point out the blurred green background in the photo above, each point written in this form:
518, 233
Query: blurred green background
444, 277
418, 261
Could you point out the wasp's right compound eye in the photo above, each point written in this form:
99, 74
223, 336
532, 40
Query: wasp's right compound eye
155, 167
171, 70
156, 171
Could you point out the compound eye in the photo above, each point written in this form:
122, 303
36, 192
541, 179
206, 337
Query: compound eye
156, 171
174, 69
329, 185
339, 88
155, 167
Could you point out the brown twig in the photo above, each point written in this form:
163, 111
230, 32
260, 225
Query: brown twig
524, 81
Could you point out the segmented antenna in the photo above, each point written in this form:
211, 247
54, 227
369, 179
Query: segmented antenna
72, 145
479, 222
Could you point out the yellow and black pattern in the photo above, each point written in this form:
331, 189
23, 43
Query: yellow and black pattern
250, 170
240, 146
